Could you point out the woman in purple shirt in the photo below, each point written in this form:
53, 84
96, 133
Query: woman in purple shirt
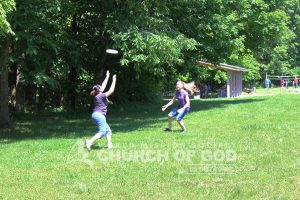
183, 106
99, 111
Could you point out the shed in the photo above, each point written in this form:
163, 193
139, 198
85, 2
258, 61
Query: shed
234, 77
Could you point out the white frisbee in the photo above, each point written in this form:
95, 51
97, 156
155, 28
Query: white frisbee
112, 51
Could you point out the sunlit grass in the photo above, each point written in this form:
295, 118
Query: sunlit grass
44, 157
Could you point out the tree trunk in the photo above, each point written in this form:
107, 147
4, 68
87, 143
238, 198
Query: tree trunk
20, 93
73, 72
31, 97
20, 88
17, 89
101, 67
42, 99
72, 87
99, 74
4, 112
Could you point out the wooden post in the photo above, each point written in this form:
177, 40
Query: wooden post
233, 86
228, 83
238, 84
241, 83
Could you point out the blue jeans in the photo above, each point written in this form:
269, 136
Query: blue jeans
103, 127
296, 85
179, 116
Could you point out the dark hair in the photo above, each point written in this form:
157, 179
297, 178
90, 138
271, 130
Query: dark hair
97, 88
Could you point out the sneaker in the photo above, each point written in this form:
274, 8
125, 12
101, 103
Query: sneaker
167, 129
183, 131
110, 146
88, 145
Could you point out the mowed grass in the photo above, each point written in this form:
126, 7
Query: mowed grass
244, 148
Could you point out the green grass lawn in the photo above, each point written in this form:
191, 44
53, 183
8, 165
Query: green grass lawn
273, 91
244, 148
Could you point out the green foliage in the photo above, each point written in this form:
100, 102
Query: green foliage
147, 39
249, 62
6, 7
270, 39
60, 45
37, 35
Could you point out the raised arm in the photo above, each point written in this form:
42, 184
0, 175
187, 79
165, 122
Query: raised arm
163, 108
112, 87
103, 86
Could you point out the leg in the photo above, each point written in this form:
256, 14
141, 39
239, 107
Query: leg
172, 114
170, 122
100, 121
108, 137
180, 120
109, 143
90, 142
95, 137
181, 124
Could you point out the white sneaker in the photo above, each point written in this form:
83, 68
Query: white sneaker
110, 146
88, 144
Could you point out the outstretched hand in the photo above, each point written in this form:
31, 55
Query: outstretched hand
114, 77
163, 108
107, 73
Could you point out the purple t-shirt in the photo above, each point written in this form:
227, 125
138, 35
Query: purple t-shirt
180, 96
100, 103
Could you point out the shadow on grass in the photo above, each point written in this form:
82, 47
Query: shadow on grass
199, 105
121, 120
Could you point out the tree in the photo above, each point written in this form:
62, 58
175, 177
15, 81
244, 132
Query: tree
5, 30
59, 46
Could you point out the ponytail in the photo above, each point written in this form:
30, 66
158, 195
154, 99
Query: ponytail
189, 86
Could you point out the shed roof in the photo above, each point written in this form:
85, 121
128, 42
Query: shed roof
222, 66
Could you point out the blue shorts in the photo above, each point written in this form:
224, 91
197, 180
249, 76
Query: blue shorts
179, 116
103, 127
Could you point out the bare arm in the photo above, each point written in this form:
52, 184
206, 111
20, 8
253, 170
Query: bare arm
112, 87
187, 100
103, 86
168, 104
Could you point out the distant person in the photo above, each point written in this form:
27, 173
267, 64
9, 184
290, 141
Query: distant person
296, 82
99, 112
268, 83
281, 84
182, 109
209, 88
205, 90
223, 90
197, 92
293, 84
286, 83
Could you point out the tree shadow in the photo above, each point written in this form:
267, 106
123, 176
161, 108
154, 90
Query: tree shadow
121, 120
200, 105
